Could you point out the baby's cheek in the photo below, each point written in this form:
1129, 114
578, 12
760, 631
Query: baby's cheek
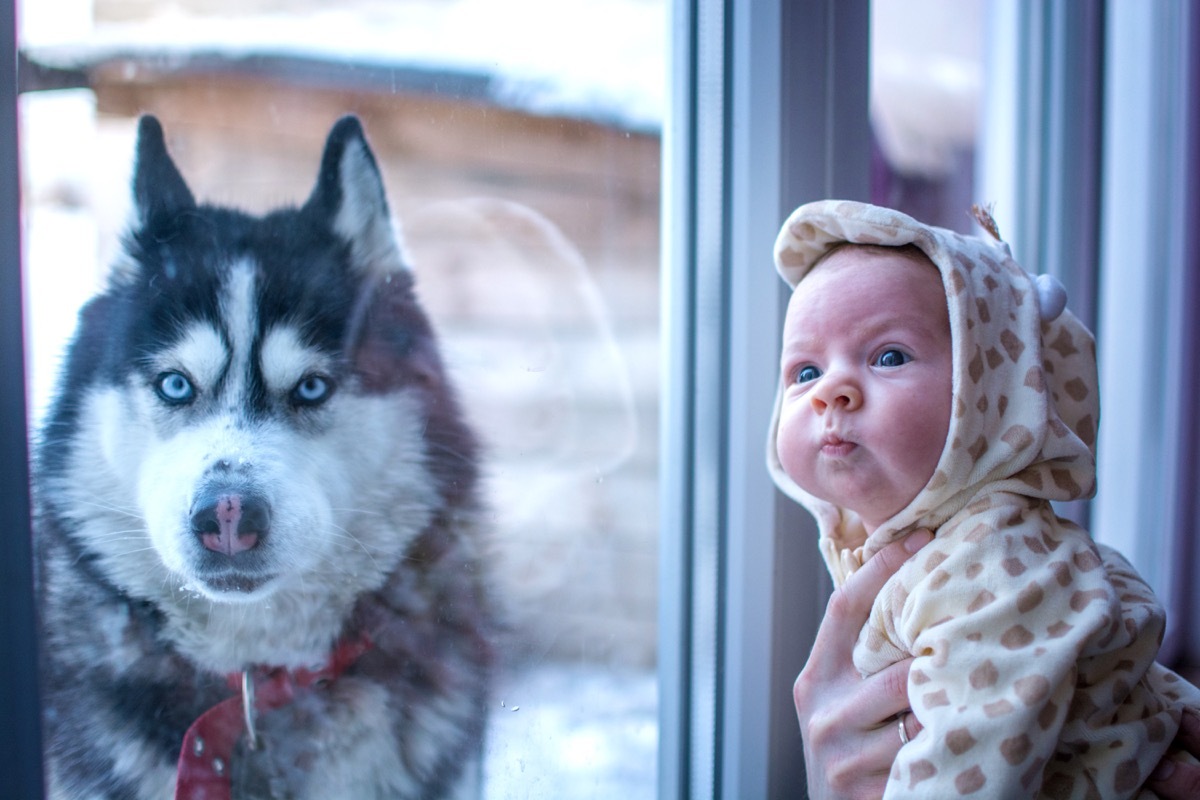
926, 443
794, 459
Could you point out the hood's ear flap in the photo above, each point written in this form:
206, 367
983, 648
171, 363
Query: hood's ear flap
349, 195
158, 188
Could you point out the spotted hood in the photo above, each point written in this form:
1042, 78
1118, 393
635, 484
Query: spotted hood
1025, 404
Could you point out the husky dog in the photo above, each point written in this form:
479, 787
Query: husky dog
257, 514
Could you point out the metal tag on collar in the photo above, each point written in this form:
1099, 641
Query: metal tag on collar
248, 708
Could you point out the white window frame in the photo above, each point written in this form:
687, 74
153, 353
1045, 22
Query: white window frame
1145, 312
769, 110
1040, 149
1085, 150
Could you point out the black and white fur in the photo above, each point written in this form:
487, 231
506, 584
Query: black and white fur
282, 361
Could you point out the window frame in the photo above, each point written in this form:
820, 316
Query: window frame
1089, 142
20, 739
760, 122
1144, 318
742, 589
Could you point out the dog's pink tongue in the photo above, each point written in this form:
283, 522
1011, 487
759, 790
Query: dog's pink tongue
227, 539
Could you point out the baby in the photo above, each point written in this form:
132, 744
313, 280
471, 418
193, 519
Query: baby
929, 382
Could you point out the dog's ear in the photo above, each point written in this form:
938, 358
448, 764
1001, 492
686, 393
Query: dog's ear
158, 188
389, 338
349, 195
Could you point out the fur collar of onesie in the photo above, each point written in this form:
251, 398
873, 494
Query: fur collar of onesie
1025, 405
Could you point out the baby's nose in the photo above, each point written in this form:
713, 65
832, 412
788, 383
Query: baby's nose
837, 391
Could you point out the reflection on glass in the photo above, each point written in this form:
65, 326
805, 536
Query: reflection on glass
523, 172
926, 92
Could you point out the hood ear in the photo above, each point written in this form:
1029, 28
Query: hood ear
158, 187
349, 195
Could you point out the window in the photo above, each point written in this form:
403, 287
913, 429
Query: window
20, 764
522, 163
770, 110
1088, 135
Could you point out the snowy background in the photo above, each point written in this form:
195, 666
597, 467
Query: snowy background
557, 730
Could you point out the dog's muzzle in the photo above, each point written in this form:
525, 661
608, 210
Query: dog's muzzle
229, 522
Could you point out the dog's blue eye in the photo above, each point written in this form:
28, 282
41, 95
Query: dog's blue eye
175, 388
312, 391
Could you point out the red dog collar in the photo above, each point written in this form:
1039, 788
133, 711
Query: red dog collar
204, 759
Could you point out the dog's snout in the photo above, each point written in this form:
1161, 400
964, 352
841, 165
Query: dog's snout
230, 522
225, 466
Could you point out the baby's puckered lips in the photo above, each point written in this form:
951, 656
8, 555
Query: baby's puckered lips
835, 446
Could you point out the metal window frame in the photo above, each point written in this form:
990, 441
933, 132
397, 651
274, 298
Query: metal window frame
1041, 138
20, 736
1147, 321
1089, 148
769, 110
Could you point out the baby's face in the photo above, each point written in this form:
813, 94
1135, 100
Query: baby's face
867, 368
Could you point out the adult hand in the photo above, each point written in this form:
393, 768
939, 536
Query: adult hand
849, 724
1175, 780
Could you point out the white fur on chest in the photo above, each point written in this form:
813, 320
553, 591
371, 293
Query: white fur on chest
289, 629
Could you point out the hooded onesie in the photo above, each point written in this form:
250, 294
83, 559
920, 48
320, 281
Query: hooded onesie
1034, 671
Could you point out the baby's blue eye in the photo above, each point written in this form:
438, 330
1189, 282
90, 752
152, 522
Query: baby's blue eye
893, 358
175, 388
807, 374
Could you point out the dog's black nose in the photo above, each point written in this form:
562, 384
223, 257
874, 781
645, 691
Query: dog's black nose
231, 522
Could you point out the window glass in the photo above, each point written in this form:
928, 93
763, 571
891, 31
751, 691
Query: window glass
926, 93
519, 150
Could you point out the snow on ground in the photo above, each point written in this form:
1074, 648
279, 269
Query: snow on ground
573, 732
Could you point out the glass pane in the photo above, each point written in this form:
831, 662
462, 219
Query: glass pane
926, 91
521, 163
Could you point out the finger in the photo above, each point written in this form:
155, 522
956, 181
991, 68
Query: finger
1188, 737
883, 698
882, 743
860, 589
873, 702
890, 702
865, 772
1172, 780
885, 694
867, 581
850, 604
858, 777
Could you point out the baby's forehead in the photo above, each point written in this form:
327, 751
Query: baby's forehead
858, 267
871, 280
845, 253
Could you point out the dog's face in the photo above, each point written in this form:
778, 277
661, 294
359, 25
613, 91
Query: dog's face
255, 399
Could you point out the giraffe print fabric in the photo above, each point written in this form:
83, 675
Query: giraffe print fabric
1034, 671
